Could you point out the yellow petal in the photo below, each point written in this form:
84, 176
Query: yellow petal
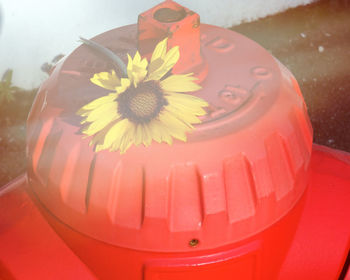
116, 133
130, 64
128, 138
129, 69
170, 59
147, 136
183, 109
124, 146
155, 131
101, 123
160, 132
165, 134
187, 99
140, 63
180, 83
160, 50
173, 123
137, 58
187, 103
153, 66
106, 80
96, 103
167, 138
102, 111
137, 68
158, 56
138, 135
100, 147
185, 115
117, 143
124, 84
97, 139
142, 135
175, 132
138, 75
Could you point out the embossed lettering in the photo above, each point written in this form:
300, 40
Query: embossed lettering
233, 94
204, 37
212, 113
220, 45
261, 73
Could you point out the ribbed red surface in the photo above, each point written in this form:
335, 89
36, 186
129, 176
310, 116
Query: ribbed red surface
241, 170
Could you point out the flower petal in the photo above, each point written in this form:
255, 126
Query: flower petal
118, 141
115, 134
180, 83
170, 59
177, 128
124, 84
147, 136
98, 138
160, 50
183, 114
155, 131
138, 62
163, 131
137, 68
101, 123
154, 66
158, 56
96, 103
106, 80
101, 112
187, 102
128, 138
138, 135
111, 132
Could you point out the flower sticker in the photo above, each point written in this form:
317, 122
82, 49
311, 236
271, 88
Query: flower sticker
144, 106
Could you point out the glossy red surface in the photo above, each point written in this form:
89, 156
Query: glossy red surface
238, 199
35, 245
241, 170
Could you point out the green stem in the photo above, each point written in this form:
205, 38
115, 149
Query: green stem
107, 53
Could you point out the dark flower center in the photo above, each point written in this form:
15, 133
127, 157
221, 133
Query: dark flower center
141, 104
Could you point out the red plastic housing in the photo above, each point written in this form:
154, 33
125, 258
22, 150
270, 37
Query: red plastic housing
238, 200
241, 170
35, 245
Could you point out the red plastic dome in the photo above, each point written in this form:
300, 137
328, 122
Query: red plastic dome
242, 170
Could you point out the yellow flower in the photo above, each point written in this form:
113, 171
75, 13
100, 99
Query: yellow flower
147, 105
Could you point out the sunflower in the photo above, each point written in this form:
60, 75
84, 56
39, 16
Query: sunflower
144, 106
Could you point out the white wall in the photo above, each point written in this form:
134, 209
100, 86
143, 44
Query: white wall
34, 31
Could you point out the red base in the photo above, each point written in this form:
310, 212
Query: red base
31, 249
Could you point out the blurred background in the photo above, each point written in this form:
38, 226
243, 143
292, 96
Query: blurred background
312, 38
35, 31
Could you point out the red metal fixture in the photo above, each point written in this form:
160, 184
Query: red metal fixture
246, 197
181, 26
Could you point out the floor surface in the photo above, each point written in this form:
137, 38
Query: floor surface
313, 41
